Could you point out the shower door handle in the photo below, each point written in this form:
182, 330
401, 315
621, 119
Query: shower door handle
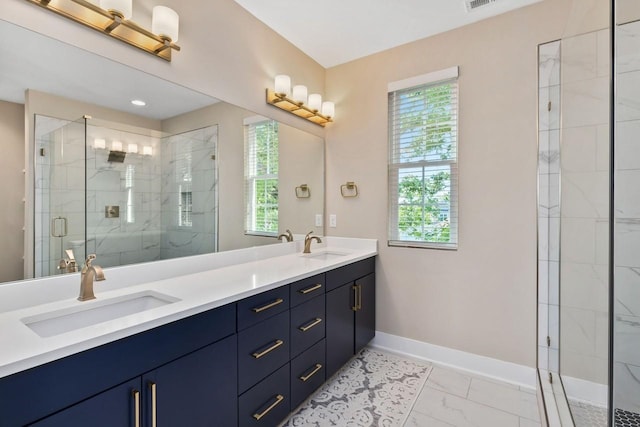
63, 222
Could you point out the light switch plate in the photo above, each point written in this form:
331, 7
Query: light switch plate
333, 220
318, 220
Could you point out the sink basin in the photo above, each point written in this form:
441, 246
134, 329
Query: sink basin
82, 315
325, 255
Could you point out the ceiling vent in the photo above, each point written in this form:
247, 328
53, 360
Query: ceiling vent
476, 4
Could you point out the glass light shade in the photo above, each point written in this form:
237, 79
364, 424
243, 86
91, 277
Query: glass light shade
99, 144
283, 85
300, 94
122, 7
132, 148
165, 22
116, 146
315, 101
147, 150
328, 109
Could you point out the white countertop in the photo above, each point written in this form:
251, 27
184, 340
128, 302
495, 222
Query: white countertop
255, 270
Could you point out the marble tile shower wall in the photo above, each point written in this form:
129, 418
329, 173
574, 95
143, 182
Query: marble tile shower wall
584, 195
627, 221
134, 186
548, 203
189, 189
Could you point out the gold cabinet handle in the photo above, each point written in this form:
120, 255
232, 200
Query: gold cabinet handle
311, 289
359, 297
313, 323
355, 298
268, 306
154, 407
136, 408
279, 399
305, 378
275, 345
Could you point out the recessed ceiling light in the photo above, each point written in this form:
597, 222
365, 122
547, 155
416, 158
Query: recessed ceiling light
138, 102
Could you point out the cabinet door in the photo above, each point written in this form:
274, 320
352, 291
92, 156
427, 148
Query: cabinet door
199, 389
340, 327
114, 407
366, 313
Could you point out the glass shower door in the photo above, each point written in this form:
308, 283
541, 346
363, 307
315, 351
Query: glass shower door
60, 201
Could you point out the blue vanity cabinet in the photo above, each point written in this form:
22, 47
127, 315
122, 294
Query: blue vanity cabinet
195, 390
51, 389
350, 305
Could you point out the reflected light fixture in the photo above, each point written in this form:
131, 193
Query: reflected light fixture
296, 102
132, 148
138, 102
99, 144
147, 150
112, 18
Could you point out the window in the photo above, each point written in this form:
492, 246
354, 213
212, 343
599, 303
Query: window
423, 170
261, 176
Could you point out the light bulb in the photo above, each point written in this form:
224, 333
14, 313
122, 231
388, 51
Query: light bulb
99, 144
300, 94
116, 146
283, 85
123, 8
147, 150
165, 23
315, 102
132, 148
328, 109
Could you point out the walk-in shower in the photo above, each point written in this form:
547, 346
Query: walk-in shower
129, 195
589, 217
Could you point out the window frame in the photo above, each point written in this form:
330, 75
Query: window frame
394, 168
251, 179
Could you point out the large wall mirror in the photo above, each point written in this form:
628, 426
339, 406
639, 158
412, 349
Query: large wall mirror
185, 174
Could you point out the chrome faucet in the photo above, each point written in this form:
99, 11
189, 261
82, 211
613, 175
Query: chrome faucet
287, 235
88, 274
307, 242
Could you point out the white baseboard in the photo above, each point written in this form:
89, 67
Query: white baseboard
520, 375
585, 391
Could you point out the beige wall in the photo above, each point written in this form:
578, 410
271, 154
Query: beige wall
12, 178
482, 297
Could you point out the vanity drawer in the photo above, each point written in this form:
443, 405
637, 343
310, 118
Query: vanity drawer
307, 325
255, 309
306, 289
268, 402
307, 373
262, 349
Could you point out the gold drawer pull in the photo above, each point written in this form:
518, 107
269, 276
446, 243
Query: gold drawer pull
275, 345
311, 289
355, 298
268, 306
136, 408
279, 399
313, 323
154, 406
304, 378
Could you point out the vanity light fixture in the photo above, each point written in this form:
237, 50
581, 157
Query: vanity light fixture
147, 150
132, 148
296, 102
112, 18
99, 144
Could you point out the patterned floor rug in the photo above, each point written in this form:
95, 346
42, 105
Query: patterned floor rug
376, 389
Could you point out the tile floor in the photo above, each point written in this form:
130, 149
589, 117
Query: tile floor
455, 398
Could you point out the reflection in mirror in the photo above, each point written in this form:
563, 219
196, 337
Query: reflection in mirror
177, 189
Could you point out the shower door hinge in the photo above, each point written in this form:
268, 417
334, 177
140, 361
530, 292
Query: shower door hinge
549, 106
548, 341
42, 152
550, 378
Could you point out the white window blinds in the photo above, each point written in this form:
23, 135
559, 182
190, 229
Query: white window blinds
261, 177
423, 171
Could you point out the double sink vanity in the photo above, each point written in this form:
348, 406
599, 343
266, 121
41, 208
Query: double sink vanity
239, 338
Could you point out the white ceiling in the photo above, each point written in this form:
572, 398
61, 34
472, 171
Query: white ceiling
337, 31
33, 61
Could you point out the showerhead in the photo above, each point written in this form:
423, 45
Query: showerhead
116, 156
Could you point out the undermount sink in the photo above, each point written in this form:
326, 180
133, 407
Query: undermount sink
86, 314
325, 255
